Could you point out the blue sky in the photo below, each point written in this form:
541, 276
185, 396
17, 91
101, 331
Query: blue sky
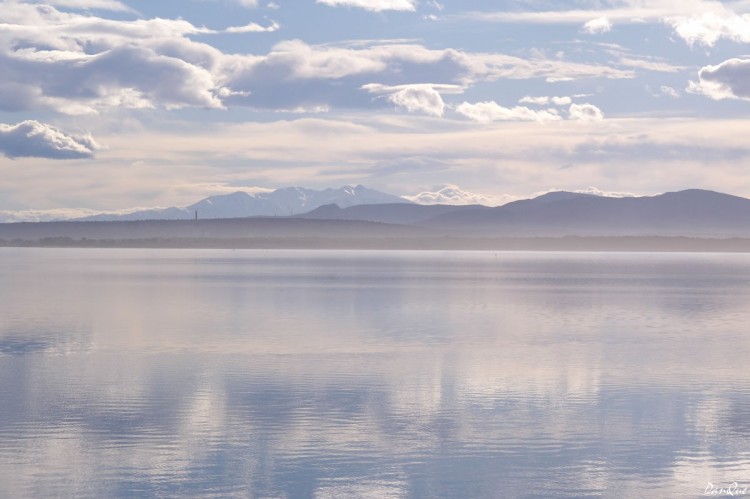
108, 105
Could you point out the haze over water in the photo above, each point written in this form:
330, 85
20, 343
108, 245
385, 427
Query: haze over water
372, 374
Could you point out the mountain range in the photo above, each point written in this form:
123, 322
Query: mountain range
280, 202
693, 212
371, 214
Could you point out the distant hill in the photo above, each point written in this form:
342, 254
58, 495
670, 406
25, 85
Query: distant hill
694, 212
691, 212
281, 202
230, 228
393, 213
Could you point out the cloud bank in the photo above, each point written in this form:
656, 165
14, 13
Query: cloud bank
75, 64
33, 139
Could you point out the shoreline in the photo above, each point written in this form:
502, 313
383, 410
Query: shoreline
564, 243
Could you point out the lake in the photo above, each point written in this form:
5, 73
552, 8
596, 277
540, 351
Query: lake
161, 373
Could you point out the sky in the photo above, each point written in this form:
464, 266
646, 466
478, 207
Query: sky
109, 105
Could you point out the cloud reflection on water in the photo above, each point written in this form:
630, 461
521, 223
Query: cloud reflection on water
417, 374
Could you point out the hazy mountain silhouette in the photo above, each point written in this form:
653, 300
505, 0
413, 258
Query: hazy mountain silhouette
281, 202
691, 212
394, 213
228, 228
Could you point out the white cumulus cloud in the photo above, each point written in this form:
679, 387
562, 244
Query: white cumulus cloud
585, 112
34, 139
728, 80
710, 27
424, 98
416, 98
597, 26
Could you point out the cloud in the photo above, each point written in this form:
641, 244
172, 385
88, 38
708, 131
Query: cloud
373, 5
545, 100
112, 5
424, 98
83, 64
436, 5
585, 112
709, 27
597, 26
695, 21
728, 80
254, 28
80, 64
453, 195
649, 64
419, 98
573, 16
487, 112
637, 154
296, 75
7, 216
607, 194
133, 77
39, 140
669, 92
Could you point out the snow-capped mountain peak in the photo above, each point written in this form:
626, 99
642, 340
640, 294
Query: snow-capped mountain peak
281, 202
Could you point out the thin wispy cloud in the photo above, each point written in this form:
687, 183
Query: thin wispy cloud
373, 5
111, 5
701, 22
253, 28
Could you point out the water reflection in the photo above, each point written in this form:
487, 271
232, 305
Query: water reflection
339, 374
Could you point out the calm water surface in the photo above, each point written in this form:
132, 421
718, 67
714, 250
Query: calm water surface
157, 373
